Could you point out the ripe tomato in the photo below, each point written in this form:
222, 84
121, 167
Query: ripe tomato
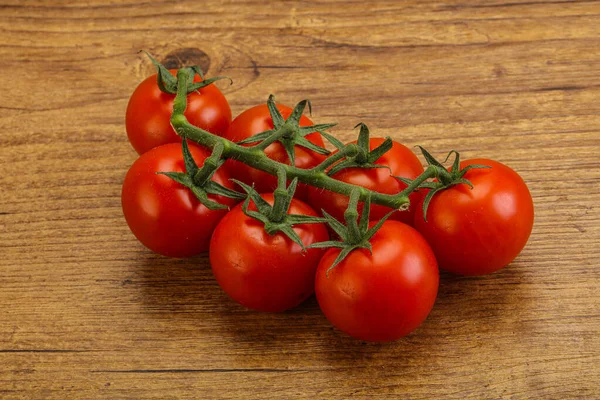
478, 231
401, 161
258, 119
383, 295
263, 272
163, 214
149, 112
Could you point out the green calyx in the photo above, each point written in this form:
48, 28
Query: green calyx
275, 217
364, 156
167, 83
356, 234
445, 178
288, 131
198, 180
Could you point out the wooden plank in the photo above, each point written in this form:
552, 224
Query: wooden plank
87, 312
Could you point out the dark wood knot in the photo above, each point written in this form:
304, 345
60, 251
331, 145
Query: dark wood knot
187, 57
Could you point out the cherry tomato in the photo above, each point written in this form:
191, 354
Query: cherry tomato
149, 112
263, 272
383, 295
401, 162
258, 119
478, 231
164, 215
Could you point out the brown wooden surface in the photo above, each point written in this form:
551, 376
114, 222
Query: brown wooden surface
87, 313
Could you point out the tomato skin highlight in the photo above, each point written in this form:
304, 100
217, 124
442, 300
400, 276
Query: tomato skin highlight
164, 215
381, 296
263, 272
479, 231
401, 162
149, 110
258, 119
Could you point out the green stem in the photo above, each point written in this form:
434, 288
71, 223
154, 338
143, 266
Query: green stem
211, 164
182, 82
280, 198
349, 151
256, 158
431, 172
283, 131
351, 218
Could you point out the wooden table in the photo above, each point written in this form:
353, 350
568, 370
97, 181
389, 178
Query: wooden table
86, 312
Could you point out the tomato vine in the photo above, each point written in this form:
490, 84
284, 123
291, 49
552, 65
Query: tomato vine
255, 157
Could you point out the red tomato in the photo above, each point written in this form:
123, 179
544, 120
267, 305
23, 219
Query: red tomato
149, 112
383, 295
401, 161
258, 119
263, 272
478, 231
163, 214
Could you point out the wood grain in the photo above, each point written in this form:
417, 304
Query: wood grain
87, 313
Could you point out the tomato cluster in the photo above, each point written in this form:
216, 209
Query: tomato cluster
374, 271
